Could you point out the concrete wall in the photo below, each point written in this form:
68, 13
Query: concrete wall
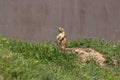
38, 20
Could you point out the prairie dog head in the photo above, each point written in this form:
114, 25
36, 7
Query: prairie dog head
60, 29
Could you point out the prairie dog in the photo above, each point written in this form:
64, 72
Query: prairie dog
61, 38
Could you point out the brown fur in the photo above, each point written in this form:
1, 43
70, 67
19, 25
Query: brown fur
61, 39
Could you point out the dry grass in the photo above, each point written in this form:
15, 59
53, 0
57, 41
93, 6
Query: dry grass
87, 53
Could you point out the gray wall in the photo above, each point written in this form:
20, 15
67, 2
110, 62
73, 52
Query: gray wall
38, 20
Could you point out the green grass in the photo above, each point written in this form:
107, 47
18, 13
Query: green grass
43, 61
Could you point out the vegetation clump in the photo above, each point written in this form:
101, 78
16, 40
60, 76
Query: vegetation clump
43, 61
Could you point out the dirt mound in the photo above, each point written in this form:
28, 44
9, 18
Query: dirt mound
87, 53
